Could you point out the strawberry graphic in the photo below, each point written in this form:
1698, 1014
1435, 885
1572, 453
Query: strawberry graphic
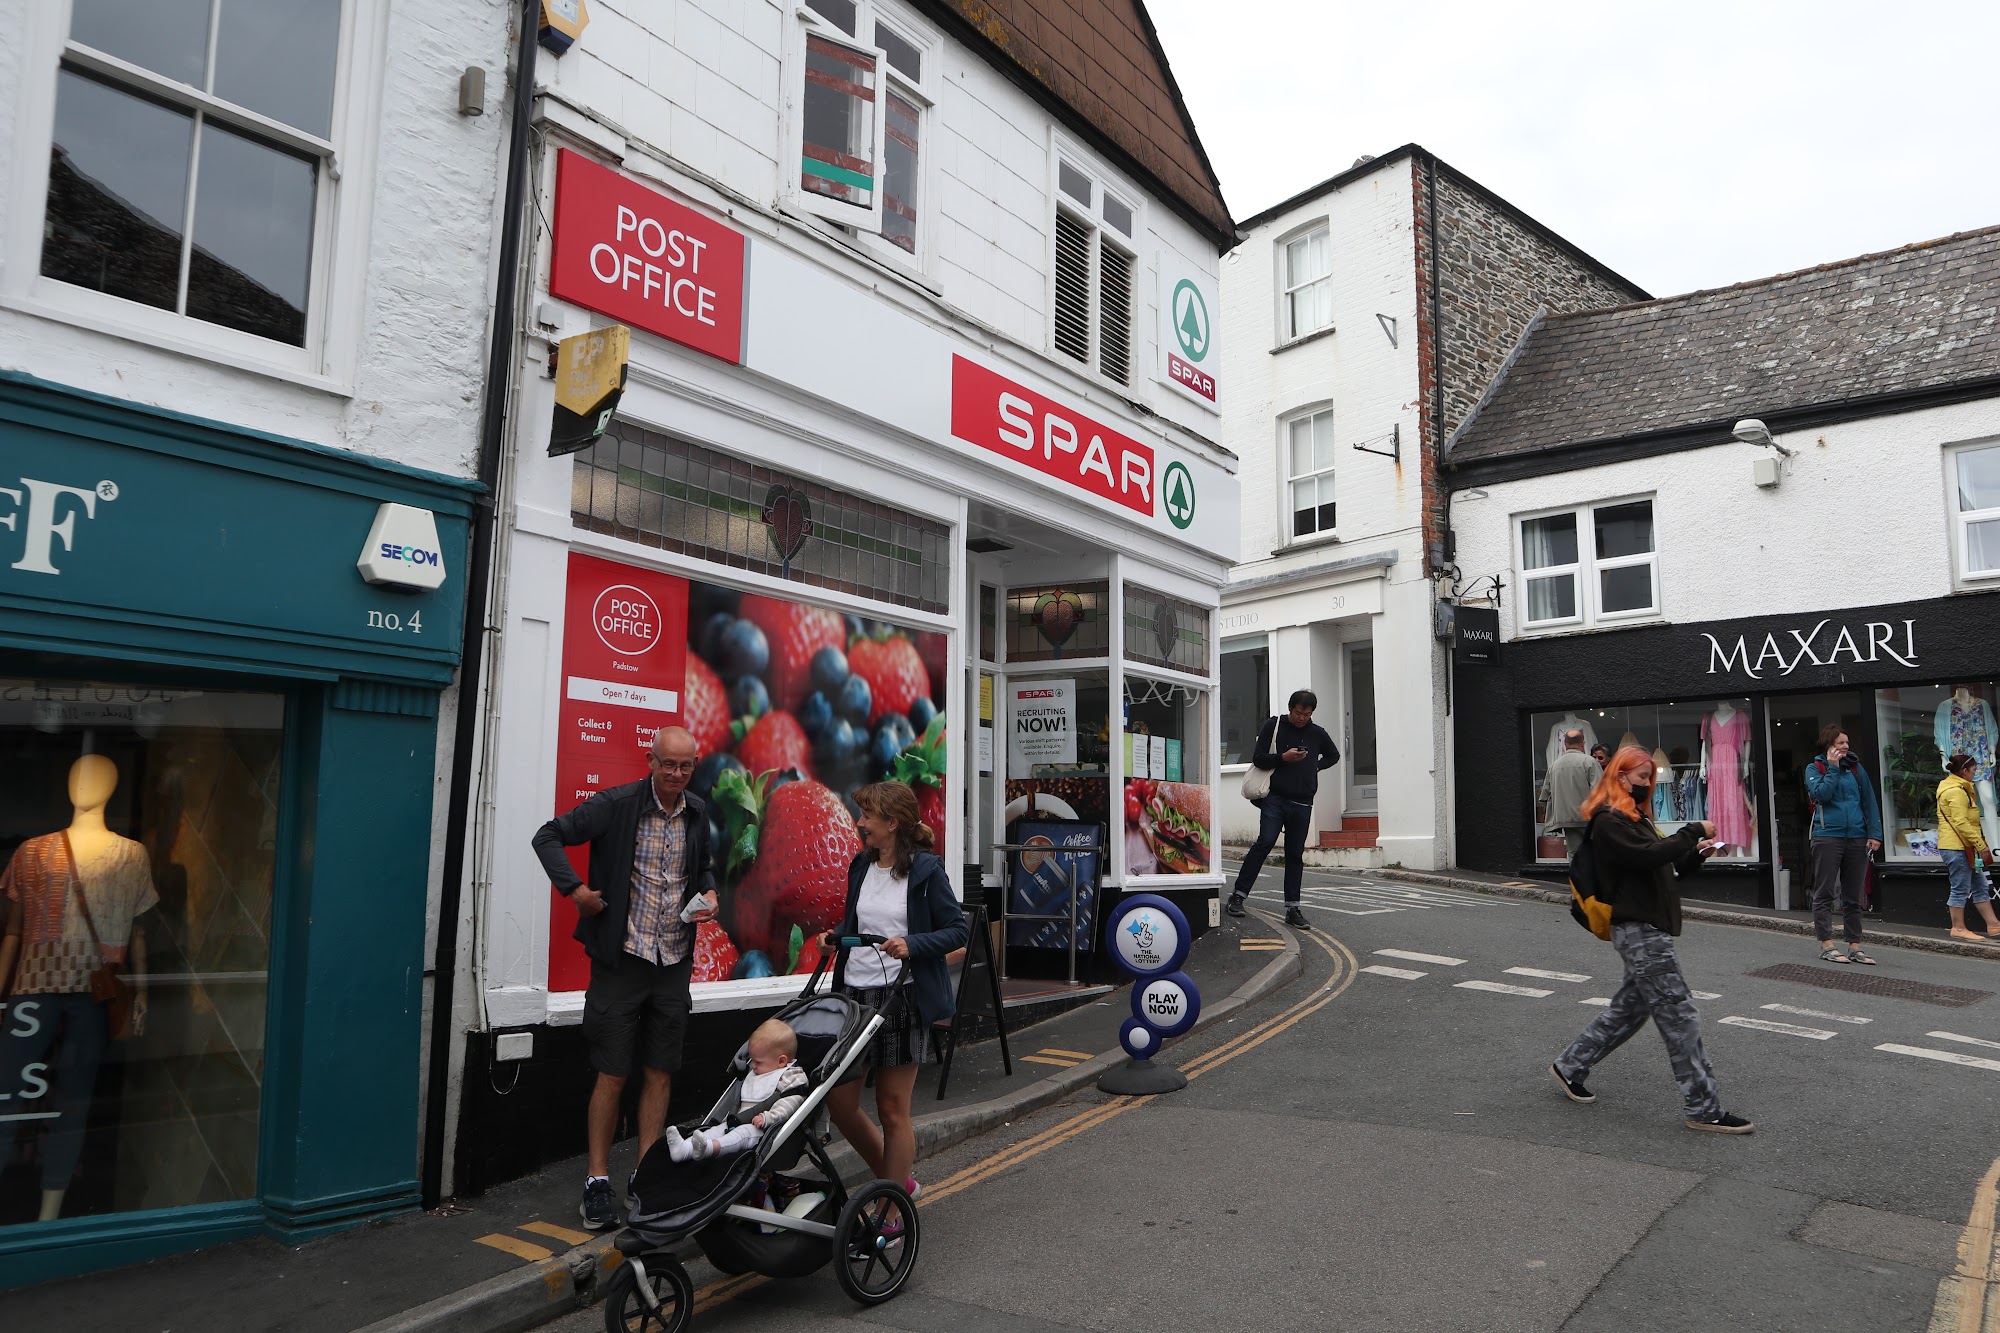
775, 741
894, 672
806, 952
714, 955
923, 767
705, 711
931, 647
797, 841
795, 632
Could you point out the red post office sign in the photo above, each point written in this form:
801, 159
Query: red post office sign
1014, 421
639, 257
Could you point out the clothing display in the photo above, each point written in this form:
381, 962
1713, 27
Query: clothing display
1570, 722
57, 955
1724, 741
1968, 728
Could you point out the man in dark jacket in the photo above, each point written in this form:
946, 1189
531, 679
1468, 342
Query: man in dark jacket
1296, 750
649, 859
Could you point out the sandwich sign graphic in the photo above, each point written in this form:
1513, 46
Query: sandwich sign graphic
1188, 359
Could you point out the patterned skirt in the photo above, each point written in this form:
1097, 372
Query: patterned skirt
901, 1040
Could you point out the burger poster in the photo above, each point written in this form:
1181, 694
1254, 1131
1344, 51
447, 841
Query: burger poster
793, 705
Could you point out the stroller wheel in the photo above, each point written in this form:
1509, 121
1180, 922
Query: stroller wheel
625, 1307
875, 1242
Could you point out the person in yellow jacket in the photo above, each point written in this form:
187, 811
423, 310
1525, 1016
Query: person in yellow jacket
1961, 844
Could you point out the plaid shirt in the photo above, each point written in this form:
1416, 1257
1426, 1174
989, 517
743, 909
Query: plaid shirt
654, 930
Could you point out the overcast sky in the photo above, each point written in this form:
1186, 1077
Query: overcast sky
1686, 145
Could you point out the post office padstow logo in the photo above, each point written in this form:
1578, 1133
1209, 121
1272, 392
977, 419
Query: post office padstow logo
627, 620
1147, 941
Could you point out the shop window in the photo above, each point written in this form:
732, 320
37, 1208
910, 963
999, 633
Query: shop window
861, 120
1590, 565
1308, 284
147, 816
1166, 807
660, 491
1165, 631
1704, 760
1976, 502
1309, 473
192, 143
1920, 726
1048, 624
1246, 695
1096, 268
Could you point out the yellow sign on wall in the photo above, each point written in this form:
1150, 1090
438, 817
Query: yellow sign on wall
590, 379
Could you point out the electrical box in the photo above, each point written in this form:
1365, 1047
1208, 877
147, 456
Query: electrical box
513, 1046
1765, 471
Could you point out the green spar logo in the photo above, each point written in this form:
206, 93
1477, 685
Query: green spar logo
1177, 490
1191, 328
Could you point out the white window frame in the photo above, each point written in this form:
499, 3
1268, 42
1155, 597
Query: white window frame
1287, 288
1104, 185
1285, 478
1963, 519
807, 24
1587, 568
336, 304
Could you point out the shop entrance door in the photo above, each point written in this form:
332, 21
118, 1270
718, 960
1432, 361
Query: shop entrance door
1360, 753
1795, 723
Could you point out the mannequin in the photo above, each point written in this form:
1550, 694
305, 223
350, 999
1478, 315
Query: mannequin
1965, 724
1570, 722
1725, 767
55, 1033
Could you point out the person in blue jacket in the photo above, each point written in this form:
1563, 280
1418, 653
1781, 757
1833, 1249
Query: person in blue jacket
1846, 832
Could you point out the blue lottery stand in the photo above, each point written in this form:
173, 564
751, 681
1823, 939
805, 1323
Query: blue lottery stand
1150, 939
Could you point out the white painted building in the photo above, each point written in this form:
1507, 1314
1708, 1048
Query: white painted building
906, 297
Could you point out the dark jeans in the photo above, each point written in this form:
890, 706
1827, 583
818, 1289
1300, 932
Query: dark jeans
1292, 819
78, 1029
1840, 871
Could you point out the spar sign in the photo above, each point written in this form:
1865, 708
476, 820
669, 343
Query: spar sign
1188, 358
1038, 432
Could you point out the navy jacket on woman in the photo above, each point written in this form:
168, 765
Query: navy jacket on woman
1294, 782
937, 926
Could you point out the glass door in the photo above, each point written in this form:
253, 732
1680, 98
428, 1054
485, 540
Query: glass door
1795, 724
1358, 752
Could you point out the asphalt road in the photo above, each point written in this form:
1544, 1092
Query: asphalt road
1373, 1151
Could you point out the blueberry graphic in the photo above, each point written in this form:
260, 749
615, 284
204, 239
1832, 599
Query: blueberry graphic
779, 779
890, 740
921, 713
708, 642
741, 650
829, 670
753, 964
705, 599
708, 770
855, 700
815, 715
749, 698
853, 624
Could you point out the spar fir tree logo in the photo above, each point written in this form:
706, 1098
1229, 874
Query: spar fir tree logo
1191, 327
1177, 494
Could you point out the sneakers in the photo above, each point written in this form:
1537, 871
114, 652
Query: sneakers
1722, 1122
1854, 955
1296, 919
1573, 1088
1835, 956
1235, 905
600, 1204
912, 1188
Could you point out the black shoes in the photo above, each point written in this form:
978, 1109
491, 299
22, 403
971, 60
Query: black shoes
1297, 919
600, 1205
1573, 1088
1235, 905
1722, 1122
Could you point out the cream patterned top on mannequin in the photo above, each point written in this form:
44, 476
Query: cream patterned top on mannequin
57, 956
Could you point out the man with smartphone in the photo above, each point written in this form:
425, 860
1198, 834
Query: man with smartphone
1296, 750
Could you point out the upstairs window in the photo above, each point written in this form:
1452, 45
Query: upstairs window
861, 121
1308, 284
1590, 565
1309, 473
1096, 270
1975, 476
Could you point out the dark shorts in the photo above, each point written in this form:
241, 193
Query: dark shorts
901, 1040
636, 1007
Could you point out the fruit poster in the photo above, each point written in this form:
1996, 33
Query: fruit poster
793, 705
1167, 827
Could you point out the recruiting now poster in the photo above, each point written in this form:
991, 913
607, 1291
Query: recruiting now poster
1044, 726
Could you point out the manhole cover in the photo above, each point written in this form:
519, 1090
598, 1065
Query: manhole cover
1945, 997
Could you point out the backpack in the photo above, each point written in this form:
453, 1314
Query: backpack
1589, 905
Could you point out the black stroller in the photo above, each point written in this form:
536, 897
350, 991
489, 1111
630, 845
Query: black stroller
795, 1225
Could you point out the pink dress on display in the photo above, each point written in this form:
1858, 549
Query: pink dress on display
1728, 803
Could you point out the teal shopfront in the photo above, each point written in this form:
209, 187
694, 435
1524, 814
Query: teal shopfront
218, 766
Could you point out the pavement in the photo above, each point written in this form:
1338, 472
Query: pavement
517, 1256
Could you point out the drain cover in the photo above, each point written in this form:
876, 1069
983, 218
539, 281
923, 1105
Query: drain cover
1858, 983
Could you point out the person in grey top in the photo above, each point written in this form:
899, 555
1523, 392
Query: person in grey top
1570, 779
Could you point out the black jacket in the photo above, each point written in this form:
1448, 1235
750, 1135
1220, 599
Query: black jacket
1639, 871
609, 822
937, 926
1294, 782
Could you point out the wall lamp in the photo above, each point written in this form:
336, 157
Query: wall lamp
1752, 431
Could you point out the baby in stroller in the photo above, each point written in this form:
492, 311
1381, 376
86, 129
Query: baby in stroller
774, 1088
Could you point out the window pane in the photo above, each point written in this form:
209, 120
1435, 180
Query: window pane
840, 13
1627, 588
253, 230
839, 123
1306, 507
1118, 214
1295, 262
277, 56
1246, 694
899, 173
1624, 529
1318, 266
1979, 479
117, 192
1302, 452
1548, 541
168, 37
1982, 546
1074, 183
1322, 441
1298, 313
1552, 598
904, 57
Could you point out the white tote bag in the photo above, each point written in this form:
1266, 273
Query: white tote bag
1257, 782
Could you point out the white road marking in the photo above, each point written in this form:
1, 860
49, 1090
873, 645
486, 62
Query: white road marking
1355, 911
1706, 994
1400, 973
1816, 1013
1969, 1041
1499, 989
1789, 1029
1949, 1057
1547, 976
1601, 1001
1405, 954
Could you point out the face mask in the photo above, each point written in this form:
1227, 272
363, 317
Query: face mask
1643, 794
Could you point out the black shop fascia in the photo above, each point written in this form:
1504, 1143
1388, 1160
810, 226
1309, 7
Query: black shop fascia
1732, 711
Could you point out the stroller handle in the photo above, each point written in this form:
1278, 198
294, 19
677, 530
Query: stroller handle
844, 944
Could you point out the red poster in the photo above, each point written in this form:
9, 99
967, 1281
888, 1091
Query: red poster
624, 667
644, 260
1014, 421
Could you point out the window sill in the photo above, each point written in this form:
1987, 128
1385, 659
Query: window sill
1306, 543
1303, 339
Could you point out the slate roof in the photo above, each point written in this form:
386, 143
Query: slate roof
1921, 318
1102, 61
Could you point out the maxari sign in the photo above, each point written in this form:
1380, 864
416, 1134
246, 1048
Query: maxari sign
1014, 421
643, 259
1476, 635
1826, 644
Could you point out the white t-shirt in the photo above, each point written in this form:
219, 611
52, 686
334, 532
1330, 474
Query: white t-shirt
883, 909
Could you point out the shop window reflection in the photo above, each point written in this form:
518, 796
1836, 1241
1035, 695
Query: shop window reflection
1166, 806
1920, 726
1702, 752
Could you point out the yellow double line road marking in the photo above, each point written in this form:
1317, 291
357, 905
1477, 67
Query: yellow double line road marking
1969, 1300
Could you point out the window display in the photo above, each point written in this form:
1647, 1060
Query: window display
1920, 727
139, 826
1702, 754
1167, 823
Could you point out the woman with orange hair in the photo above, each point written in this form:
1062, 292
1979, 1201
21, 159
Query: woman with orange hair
1637, 870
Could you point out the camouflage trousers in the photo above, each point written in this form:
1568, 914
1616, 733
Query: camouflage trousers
1653, 988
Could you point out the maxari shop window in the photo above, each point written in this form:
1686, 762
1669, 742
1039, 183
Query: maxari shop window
1704, 768
139, 827
1167, 823
1920, 727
